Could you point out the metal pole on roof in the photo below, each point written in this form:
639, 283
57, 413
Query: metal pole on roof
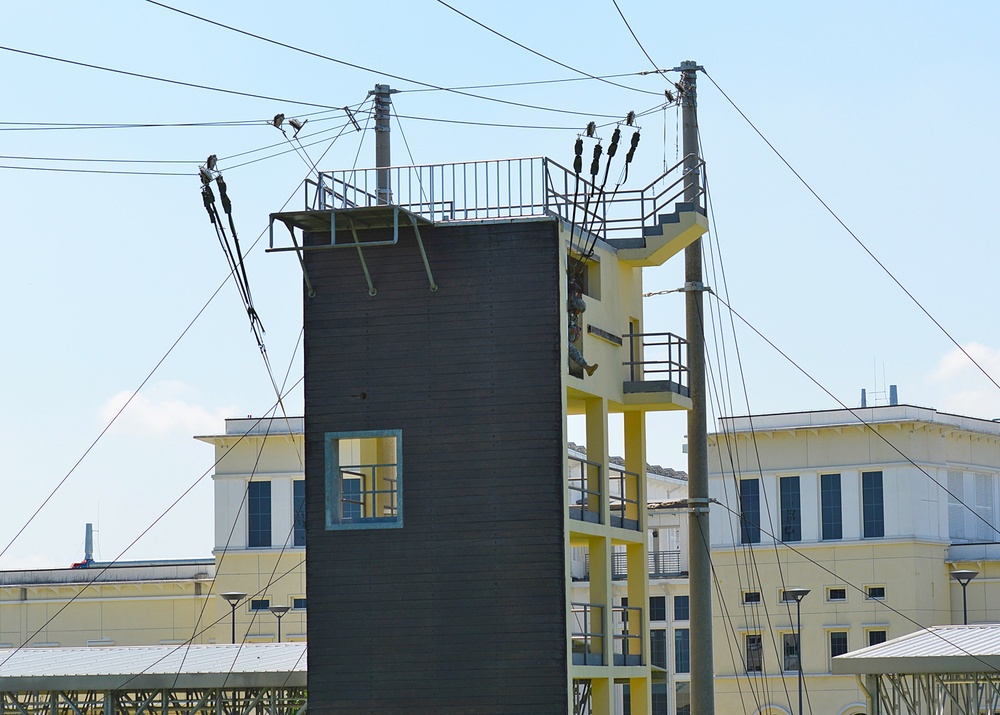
699, 544
383, 104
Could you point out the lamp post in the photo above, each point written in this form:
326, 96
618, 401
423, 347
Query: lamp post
279, 611
797, 594
963, 576
234, 598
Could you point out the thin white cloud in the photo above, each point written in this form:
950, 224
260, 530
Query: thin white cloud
961, 386
164, 410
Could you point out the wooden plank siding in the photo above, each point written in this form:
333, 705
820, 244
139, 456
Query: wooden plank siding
463, 609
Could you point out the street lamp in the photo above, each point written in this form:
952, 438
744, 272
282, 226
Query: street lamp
963, 576
234, 598
797, 594
279, 611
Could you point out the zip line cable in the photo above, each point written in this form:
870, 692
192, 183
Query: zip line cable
636, 38
162, 79
719, 332
131, 397
353, 65
586, 75
114, 418
747, 544
217, 621
105, 567
96, 171
853, 235
487, 124
190, 488
860, 589
502, 85
854, 413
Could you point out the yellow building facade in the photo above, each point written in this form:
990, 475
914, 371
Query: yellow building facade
870, 512
259, 553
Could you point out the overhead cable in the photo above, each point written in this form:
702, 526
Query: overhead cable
163, 79
853, 235
539, 54
354, 65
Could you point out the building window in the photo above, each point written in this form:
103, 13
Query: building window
838, 643
258, 514
299, 512
658, 647
682, 700
364, 481
836, 594
830, 506
298, 604
750, 511
682, 650
755, 653
682, 608
791, 509
876, 637
956, 504
984, 507
260, 604
790, 649
872, 509
751, 597
875, 593
657, 608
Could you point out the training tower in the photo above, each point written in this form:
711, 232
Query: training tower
442, 310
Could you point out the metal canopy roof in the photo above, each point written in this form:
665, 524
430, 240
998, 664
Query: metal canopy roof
258, 665
938, 649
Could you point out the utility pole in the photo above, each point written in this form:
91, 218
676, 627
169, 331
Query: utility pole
699, 544
383, 102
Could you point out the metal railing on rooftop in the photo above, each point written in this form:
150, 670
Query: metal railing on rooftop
507, 189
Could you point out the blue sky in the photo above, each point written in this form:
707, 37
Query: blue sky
888, 111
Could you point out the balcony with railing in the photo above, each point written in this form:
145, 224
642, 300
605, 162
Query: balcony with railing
588, 633
585, 491
661, 564
657, 363
626, 628
624, 508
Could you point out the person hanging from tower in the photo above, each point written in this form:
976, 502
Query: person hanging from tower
576, 306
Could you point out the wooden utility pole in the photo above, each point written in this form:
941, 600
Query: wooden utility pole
699, 544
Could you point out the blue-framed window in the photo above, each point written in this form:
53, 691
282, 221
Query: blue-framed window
750, 511
299, 604
830, 506
872, 505
364, 480
259, 514
299, 512
682, 650
682, 608
791, 509
260, 604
